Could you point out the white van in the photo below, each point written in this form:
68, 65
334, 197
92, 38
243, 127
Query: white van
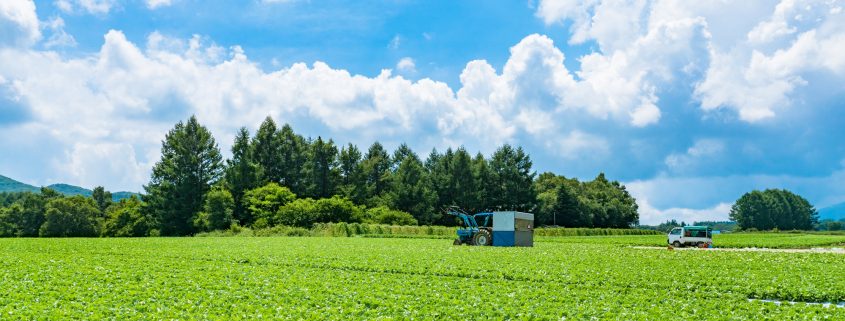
690, 235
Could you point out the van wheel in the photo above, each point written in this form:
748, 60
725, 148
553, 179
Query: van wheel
676, 244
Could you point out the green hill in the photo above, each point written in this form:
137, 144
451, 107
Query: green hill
70, 190
13, 186
116, 196
10, 185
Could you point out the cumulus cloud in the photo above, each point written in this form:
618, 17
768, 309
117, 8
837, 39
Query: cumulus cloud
122, 98
127, 94
539, 90
18, 23
103, 164
125, 91
406, 65
646, 44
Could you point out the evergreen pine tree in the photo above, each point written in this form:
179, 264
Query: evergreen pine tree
190, 163
241, 175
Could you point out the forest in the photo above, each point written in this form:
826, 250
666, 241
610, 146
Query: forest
277, 177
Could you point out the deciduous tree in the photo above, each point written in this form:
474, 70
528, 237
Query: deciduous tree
70, 216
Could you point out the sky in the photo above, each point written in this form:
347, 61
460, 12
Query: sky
689, 103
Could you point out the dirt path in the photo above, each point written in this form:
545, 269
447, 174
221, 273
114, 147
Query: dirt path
836, 250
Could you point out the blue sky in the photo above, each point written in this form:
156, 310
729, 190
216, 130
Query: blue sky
690, 104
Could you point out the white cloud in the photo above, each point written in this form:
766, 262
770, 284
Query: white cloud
64, 5
18, 23
406, 65
132, 94
98, 7
124, 91
59, 37
645, 44
535, 79
103, 164
757, 90
395, 42
155, 4
653, 216
699, 154
580, 145
125, 94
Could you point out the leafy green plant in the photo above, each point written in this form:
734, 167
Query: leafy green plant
360, 278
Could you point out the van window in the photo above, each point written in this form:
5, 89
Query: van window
676, 231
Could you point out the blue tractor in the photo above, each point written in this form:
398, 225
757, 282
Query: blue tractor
471, 232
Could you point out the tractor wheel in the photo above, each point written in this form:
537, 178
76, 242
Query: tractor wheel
457, 242
482, 237
676, 244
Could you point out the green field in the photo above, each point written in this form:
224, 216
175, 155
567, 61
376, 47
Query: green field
733, 240
322, 278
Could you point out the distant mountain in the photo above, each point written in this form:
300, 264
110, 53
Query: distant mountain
11, 185
116, 196
70, 190
834, 212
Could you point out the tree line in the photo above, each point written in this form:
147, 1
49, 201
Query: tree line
278, 177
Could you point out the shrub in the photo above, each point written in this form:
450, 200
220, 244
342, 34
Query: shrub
305, 212
217, 211
300, 213
126, 218
384, 215
71, 216
265, 201
336, 209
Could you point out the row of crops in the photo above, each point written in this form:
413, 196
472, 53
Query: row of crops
381, 230
424, 279
631, 237
733, 240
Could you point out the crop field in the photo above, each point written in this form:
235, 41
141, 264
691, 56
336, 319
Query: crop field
734, 240
318, 278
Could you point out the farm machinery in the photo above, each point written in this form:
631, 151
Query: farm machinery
502, 228
470, 232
